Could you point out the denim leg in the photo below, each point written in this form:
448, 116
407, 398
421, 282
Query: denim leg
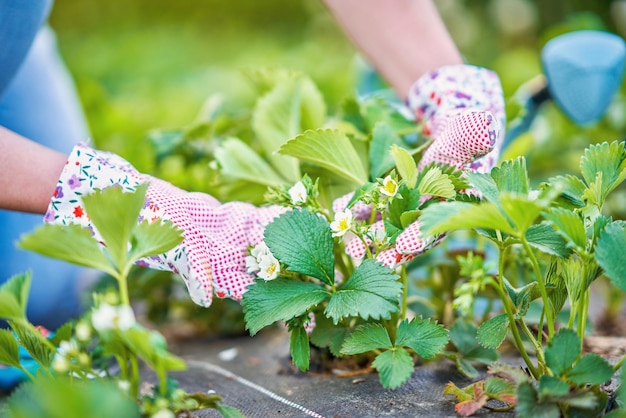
41, 104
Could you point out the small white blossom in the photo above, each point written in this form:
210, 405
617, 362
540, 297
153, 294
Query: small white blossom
389, 187
342, 223
269, 267
67, 348
107, 317
83, 331
377, 235
298, 194
262, 262
60, 364
124, 385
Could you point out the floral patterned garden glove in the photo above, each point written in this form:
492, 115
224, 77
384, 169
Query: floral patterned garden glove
211, 258
462, 109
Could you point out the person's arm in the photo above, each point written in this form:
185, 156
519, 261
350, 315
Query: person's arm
28, 173
402, 39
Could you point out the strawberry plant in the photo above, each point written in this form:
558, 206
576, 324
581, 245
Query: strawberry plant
96, 360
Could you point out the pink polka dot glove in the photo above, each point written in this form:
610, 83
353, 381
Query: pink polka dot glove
211, 258
462, 111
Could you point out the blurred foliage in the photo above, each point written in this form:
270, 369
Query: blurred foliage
142, 65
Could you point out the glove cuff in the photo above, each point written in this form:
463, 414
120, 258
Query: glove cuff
86, 170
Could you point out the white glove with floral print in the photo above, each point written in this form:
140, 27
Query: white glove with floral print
211, 258
462, 108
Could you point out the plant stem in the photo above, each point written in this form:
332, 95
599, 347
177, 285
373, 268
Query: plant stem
619, 363
583, 307
405, 292
134, 364
509, 313
123, 285
547, 306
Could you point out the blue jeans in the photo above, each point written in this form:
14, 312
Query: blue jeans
40, 103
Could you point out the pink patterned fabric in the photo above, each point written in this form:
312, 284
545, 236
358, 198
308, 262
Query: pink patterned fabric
462, 107
211, 258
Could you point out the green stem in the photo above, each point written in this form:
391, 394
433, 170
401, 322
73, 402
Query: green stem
122, 283
134, 364
509, 313
583, 307
619, 363
123, 368
405, 292
538, 348
547, 308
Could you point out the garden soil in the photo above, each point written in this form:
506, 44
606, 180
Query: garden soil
254, 375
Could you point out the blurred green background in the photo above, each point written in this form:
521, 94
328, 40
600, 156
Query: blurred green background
142, 65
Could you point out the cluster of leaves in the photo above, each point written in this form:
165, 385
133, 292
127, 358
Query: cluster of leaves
95, 360
568, 242
551, 243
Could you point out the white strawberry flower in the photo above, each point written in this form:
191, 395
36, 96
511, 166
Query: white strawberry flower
269, 267
298, 194
389, 187
255, 257
262, 262
107, 317
342, 223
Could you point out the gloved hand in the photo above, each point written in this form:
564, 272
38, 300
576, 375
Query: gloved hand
211, 258
462, 110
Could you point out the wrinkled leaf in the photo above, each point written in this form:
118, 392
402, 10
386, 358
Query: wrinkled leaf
9, 352
371, 292
40, 349
562, 351
71, 243
394, 367
278, 300
114, 214
299, 347
425, 337
436, 183
330, 149
380, 158
366, 338
543, 237
405, 165
238, 160
570, 225
611, 253
450, 216
591, 369
511, 177
303, 241
492, 332
153, 238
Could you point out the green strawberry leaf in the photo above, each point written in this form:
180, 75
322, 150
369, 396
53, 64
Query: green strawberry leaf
366, 338
237, 160
371, 291
278, 300
405, 165
562, 351
9, 351
330, 149
611, 252
591, 369
380, 158
303, 242
394, 367
425, 337
492, 332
